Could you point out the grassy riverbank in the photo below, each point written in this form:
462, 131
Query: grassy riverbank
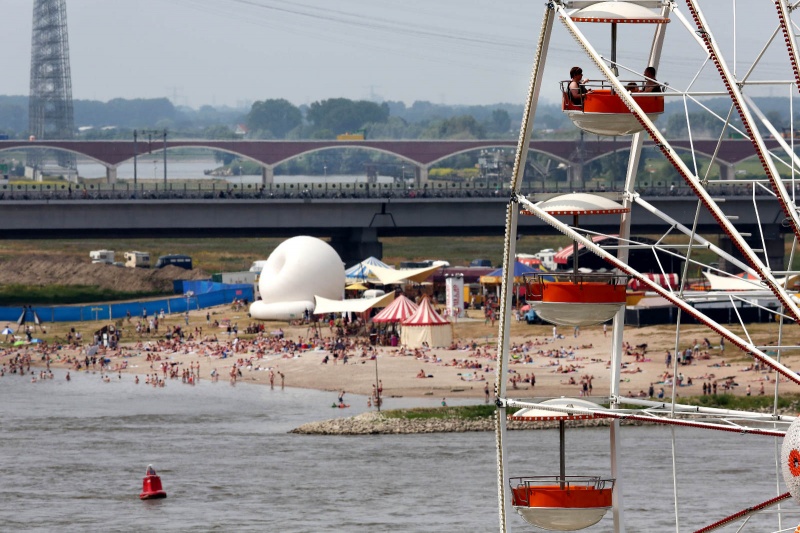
65, 295
232, 254
786, 403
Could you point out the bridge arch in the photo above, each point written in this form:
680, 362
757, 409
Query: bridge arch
42, 147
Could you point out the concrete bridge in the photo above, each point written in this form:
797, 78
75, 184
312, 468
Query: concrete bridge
354, 225
421, 154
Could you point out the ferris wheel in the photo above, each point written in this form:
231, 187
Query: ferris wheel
732, 70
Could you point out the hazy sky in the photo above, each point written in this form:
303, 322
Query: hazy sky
230, 52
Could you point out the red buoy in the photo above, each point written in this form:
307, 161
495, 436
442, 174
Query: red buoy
151, 486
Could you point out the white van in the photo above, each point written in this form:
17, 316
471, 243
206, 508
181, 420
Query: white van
548, 258
137, 259
102, 256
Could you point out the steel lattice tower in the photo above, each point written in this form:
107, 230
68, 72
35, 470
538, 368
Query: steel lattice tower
50, 111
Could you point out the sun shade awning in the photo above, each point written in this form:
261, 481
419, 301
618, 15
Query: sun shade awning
388, 276
355, 305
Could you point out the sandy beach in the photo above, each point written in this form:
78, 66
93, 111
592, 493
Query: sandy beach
557, 366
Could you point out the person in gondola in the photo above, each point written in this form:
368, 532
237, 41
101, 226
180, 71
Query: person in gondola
650, 83
576, 86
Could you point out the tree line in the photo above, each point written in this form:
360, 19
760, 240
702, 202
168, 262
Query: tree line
325, 119
280, 119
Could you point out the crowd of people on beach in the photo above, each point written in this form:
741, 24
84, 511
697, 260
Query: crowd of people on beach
174, 352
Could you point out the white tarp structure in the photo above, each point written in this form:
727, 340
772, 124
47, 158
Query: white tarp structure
741, 282
426, 326
389, 276
354, 305
361, 271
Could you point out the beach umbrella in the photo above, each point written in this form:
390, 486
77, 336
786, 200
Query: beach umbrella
7, 331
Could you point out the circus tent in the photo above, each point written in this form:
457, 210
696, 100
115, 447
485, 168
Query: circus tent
426, 326
400, 309
361, 271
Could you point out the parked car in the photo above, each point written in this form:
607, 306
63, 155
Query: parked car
182, 261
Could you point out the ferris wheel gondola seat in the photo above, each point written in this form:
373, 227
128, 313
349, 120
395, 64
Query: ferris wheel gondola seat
563, 504
602, 112
582, 300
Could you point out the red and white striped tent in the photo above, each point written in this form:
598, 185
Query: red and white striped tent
564, 256
668, 281
426, 326
400, 309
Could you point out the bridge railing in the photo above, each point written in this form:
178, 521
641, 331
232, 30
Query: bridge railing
205, 190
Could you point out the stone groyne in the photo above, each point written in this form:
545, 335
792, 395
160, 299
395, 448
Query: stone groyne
374, 423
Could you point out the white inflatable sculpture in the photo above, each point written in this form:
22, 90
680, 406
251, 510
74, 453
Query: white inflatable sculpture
298, 269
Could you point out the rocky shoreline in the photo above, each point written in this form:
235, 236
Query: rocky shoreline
374, 423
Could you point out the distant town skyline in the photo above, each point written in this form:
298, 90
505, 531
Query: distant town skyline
233, 52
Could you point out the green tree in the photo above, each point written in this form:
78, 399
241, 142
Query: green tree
500, 123
460, 127
278, 116
340, 115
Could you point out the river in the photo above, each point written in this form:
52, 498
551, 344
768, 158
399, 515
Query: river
74, 454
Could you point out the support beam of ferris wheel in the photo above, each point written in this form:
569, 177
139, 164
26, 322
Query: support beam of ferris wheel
509, 249
688, 175
731, 84
789, 39
745, 345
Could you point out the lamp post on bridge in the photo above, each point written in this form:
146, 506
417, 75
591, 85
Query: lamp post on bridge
150, 134
135, 153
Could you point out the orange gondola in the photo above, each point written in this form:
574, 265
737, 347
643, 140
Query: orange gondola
582, 300
599, 109
602, 112
578, 299
560, 502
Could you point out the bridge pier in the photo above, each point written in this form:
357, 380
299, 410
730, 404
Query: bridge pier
422, 176
267, 175
773, 240
726, 171
111, 174
356, 244
575, 176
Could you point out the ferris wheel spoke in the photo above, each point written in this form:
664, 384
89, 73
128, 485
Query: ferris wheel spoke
743, 344
747, 120
788, 36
